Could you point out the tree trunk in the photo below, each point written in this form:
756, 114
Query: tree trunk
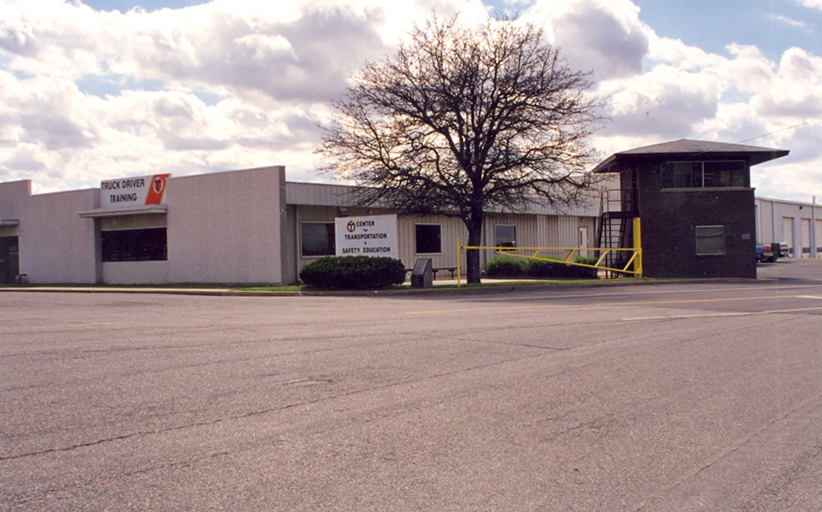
472, 256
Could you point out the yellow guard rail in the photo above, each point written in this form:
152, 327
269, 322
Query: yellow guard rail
632, 266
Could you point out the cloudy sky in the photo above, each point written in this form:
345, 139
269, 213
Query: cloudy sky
102, 89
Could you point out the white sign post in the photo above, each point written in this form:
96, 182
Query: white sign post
367, 236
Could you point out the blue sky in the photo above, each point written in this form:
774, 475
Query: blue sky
148, 5
772, 25
102, 90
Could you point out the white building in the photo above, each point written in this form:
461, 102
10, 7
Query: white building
795, 223
237, 227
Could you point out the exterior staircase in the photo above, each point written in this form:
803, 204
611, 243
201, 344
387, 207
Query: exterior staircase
617, 211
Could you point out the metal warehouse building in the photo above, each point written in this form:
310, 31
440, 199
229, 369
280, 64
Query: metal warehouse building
797, 224
239, 227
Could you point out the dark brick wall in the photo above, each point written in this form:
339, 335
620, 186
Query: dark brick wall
669, 219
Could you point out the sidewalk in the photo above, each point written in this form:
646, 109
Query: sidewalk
440, 285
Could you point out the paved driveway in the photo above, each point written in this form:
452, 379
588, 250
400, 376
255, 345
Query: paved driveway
687, 396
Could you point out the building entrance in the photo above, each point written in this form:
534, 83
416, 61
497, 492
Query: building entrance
9, 259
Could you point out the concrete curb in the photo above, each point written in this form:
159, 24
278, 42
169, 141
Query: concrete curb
487, 287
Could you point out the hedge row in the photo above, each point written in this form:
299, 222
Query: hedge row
353, 273
507, 266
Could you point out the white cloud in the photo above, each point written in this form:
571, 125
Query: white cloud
88, 95
748, 70
604, 36
796, 88
664, 102
813, 4
744, 97
790, 22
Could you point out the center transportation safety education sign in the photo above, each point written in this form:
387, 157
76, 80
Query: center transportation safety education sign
367, 236
130, 192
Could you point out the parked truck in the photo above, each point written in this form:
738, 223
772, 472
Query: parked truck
761, 256
767, 253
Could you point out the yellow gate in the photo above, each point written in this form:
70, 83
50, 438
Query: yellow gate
568, 255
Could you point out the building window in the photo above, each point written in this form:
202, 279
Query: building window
730, 173
428, 238
135, 245
505, 236
317, 239
681, 174
710, 240
724, 174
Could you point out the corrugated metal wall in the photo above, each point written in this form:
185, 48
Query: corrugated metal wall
531, 231
790, 222
450, 229
542, 226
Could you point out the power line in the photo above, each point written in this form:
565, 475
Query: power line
775, 131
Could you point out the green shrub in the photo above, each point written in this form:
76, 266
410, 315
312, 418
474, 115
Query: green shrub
505, 266
584, 271
542, 268
353, 273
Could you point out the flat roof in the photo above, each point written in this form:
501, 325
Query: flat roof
691, 149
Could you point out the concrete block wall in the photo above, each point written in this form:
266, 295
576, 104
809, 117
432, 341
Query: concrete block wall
56, 245
227, 227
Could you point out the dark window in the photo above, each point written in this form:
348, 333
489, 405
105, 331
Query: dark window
725, 173
9, 259
681, 174
710, 240
429, 238
505, 236
317, 239
135, 245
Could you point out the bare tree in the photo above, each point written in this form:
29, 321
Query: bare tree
460, 121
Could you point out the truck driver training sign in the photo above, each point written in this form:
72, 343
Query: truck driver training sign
130, 192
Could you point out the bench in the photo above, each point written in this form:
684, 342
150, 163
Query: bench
451, 270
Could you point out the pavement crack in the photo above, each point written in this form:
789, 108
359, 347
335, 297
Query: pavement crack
731, 451
261, 412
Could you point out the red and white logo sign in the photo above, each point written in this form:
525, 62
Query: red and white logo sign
131, 192
157, 190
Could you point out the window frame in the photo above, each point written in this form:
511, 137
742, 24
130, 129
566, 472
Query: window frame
703, 245
670, 180
332, 239
136, 249
497, 237
417, 240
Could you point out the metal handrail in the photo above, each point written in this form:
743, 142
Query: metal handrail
633, 266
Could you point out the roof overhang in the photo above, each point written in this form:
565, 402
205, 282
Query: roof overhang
691, 149
154, 209
9, 222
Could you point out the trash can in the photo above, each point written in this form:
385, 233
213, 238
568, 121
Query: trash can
422, 276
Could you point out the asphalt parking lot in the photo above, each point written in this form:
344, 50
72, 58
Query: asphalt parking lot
673, 396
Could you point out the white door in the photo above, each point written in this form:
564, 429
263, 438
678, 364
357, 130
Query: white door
806, 238
818, 238
583, 240
787, 232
